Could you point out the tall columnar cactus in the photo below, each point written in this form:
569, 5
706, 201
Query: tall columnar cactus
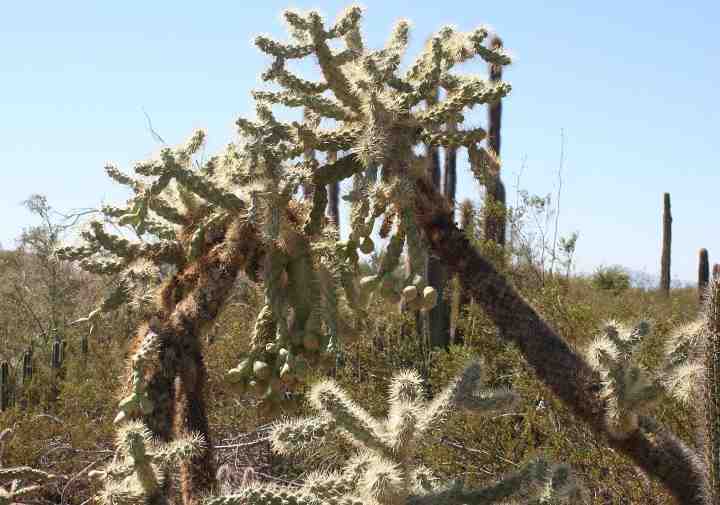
27, 369
57, 355
4, 386
142, 465
494, 221
703, 272
12, 490
385, 470
666, 243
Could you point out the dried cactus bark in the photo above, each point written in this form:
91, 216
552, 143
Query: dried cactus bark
666, 243
657, 451
703, 273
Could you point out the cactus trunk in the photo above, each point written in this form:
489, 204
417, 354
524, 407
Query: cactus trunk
709, 404
703, 273
666, 241
439, 316
27, 367
334, 194
4, 386
495, 197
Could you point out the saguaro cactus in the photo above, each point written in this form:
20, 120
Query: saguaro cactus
56, 360
703, 273
27, 370
4, 386
495, 200
666, 242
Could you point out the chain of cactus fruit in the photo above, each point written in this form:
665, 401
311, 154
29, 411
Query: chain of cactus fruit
385, 470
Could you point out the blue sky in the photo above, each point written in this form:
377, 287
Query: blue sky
633, 85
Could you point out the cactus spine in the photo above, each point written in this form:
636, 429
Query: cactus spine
4, 386
666, 242
703, 273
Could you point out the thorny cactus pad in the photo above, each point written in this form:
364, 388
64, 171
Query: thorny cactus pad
384, 470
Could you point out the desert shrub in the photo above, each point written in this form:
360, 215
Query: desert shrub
613, 278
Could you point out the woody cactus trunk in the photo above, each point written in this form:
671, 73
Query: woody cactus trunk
666, 243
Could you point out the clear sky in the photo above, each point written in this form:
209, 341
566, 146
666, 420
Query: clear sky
633, 84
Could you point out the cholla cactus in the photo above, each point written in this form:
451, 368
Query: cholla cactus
384, 470
628, 388
200, 222
138, 402
141, 467
692, 375
11, 490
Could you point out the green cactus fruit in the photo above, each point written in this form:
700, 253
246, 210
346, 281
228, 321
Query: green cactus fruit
261, 370
409, 294
367, 245
430, 298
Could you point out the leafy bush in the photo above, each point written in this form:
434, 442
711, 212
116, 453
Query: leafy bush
613, 278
